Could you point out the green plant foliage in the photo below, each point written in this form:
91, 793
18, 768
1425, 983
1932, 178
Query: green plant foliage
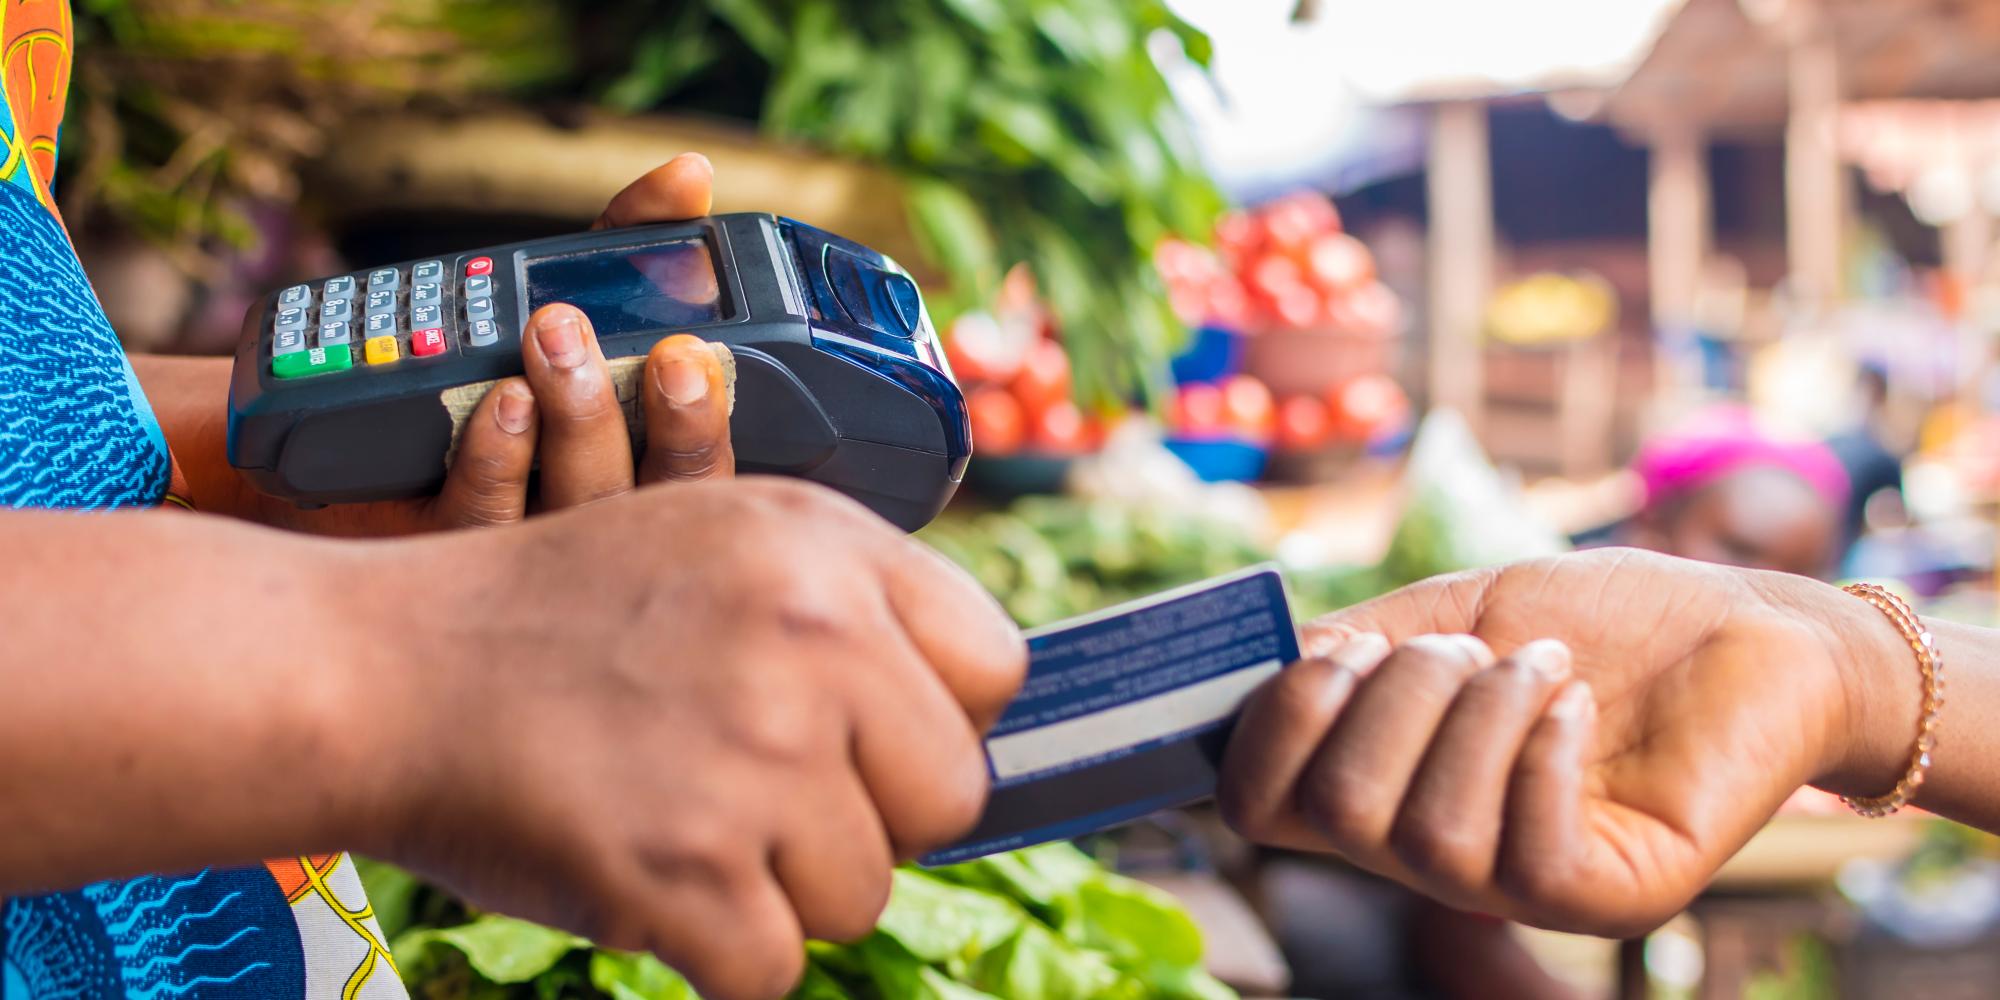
1047, 922
1037, 132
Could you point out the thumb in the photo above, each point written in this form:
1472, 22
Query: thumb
1441, 605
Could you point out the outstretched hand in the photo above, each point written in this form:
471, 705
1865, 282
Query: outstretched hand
1577, 742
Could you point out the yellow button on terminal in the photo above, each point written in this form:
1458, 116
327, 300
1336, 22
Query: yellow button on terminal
382, 350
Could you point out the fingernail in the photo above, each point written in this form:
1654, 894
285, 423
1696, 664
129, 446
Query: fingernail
684, 381
1548, 657
1361, 654
1480, 652
1319, 643
561, 337
1337, 683
1574, 704
516, 408
698, 158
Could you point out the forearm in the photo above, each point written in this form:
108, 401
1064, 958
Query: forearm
178, 692
1885, 705
190, 396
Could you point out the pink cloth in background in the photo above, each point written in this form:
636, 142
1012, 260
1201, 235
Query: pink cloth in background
1721, 441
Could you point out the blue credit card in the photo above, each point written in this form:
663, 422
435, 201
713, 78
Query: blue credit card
1126, 711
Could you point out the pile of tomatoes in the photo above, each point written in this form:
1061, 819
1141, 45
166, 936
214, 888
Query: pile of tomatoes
1017, 388
1283, 268
1286, 265
1240, 408
1286, 269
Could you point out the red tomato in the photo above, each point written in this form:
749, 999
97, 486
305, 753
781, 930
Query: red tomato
1376, 310
1338, 262
1182, 263
1274, 274
1340, 315
1305, 423
998, 425
1044, 377
1189, 302
1228, 306
1199, 411
1298, 308
1316, 208
1294, 220
1059, 430
978, 350
1239, 237
1368, 405
1247, 408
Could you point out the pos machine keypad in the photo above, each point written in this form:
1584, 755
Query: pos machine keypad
382, 317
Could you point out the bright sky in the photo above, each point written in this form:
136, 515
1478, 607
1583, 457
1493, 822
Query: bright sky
1293, 95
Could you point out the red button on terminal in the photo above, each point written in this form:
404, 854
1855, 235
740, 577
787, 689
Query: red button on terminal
424, 343
478, 266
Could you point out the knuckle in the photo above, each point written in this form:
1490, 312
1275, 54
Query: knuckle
767, 962
801, 612
783, 968
1339, 805
854, 917
1501, 689
955, 805
701, 847
1449, 852
776, 723
487, 468
1444, 652
583, 398
1000, 678
1241, 811
1299, 694
681, 464
586, 494
477, 515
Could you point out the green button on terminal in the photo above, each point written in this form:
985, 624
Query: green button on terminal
317, 361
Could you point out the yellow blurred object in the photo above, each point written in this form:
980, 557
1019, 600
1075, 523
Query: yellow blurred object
1551, 308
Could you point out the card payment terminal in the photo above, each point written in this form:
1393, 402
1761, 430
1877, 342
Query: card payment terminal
337, 394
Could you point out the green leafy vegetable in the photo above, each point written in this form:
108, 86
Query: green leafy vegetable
1048, 922
1133, 923
625, 976
936, 921
501, 949
1048, 121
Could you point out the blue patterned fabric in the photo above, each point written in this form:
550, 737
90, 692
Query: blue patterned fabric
75, 430
224, 935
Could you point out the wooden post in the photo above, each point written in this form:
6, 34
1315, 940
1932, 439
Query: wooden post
1460, 187
1815, 181
1967, 242
1679, 232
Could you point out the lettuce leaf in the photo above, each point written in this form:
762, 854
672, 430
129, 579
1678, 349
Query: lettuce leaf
502, 949
936, 921
628, 976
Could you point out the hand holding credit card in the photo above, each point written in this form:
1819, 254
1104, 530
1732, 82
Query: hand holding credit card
1126, 711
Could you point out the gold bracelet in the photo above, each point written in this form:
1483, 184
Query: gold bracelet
1931, 663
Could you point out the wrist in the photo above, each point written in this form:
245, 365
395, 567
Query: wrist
378, 718
1880, 697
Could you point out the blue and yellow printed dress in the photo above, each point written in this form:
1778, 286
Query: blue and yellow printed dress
76, 432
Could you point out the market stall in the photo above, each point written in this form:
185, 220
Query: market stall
1363, 385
